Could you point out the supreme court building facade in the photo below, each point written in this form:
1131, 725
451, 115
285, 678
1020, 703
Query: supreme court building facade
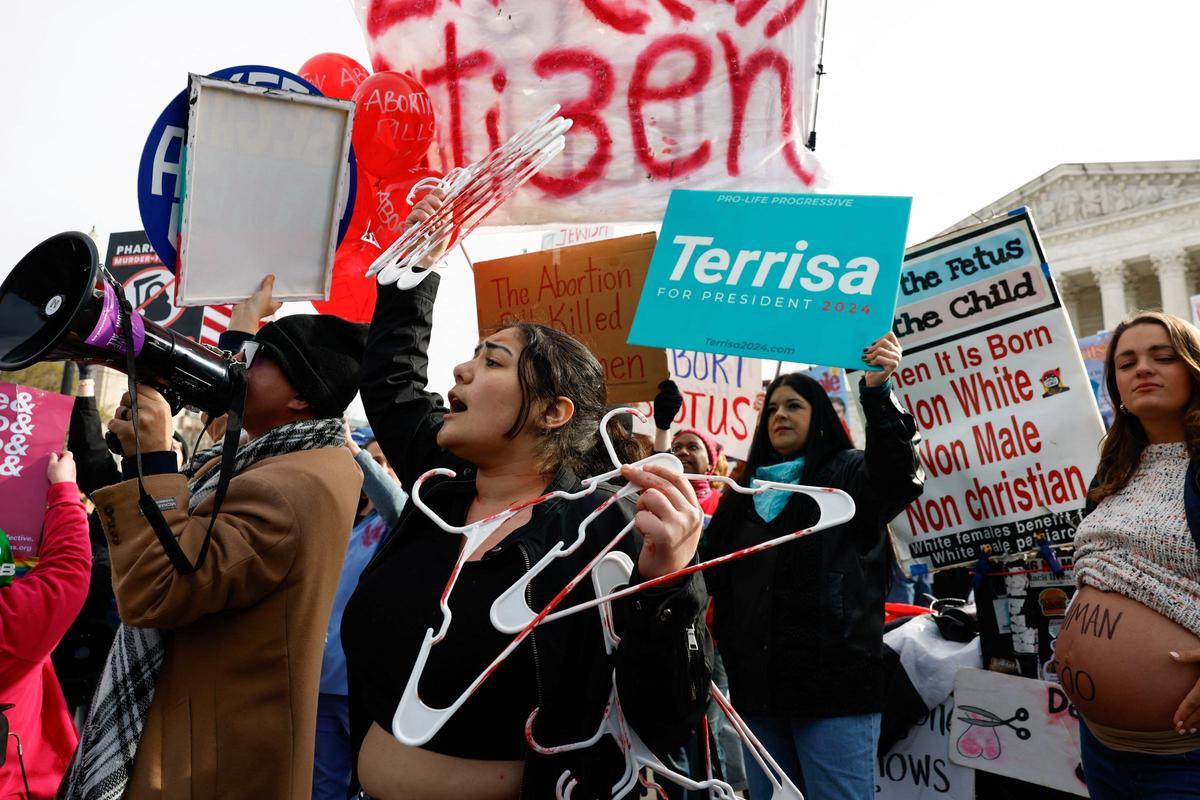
1119, 236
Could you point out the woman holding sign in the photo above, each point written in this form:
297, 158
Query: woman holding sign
1128, 653
800, 626
522, 421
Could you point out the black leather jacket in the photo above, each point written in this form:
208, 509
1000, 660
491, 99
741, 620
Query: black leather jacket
800, 626
664, 660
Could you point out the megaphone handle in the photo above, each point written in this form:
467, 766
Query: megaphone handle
114, 444
146, 503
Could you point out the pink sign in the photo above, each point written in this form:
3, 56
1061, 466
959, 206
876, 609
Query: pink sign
33, 424
664, 94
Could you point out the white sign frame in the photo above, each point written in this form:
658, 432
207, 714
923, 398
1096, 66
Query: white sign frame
265, 172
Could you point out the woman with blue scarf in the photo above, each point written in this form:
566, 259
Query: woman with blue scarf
800, 626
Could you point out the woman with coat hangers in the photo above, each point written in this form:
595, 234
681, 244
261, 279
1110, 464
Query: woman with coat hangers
800, 627
521, 421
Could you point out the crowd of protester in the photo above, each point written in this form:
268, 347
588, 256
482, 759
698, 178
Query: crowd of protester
258, 642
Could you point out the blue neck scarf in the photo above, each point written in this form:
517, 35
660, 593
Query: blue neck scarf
768, 504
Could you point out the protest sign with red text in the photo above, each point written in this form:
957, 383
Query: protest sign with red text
719, 393
993, 376
33, 424
589, 291
663, 93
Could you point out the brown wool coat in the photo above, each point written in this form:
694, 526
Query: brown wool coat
234, 711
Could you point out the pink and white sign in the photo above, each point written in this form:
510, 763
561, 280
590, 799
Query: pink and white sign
33, 424
701, 94
1019, 727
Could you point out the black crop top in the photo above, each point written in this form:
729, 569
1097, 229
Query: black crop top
385, 622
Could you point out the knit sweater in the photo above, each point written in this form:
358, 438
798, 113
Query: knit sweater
1137, 542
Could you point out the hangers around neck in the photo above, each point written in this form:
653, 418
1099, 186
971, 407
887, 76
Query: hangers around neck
415, 723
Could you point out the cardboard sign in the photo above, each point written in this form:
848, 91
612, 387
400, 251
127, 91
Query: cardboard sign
803, 278
719, 395
918, 767
674, 93
993, 377
160, 171
33, 424
589, 291
575, 234
1019, 727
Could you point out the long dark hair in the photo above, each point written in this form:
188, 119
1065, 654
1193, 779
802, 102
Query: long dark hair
1122, 446
826, 436
553, 364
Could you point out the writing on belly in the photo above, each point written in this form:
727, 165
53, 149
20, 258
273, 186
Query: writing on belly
1092, 619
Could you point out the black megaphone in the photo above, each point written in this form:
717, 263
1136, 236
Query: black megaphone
58, 304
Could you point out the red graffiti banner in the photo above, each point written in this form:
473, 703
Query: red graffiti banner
701, 94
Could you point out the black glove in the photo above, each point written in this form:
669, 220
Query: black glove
667, 405
86, 371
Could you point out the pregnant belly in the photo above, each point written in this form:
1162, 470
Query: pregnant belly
1112, 660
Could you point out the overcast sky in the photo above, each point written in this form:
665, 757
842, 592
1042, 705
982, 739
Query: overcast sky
954, 102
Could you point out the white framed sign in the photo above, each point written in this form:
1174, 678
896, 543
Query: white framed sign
264, 176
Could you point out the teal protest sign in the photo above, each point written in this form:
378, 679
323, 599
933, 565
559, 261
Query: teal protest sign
796, 277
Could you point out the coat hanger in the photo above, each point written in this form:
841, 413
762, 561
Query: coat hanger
471, 194
414, 722
511, 612
612, 571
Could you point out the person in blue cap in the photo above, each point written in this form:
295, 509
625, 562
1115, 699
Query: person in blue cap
378, 512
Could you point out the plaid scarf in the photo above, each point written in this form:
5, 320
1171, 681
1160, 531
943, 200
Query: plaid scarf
109, 740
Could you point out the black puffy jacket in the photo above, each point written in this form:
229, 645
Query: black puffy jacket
663, 663
800, 626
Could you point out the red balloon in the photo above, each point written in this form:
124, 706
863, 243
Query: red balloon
364, 205
391, 204
393, 123
351, 293
334, 74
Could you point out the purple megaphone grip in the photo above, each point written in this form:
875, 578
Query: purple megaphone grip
107, 333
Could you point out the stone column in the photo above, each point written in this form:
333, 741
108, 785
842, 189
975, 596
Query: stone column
1114, 300
1069, 292
1172, 269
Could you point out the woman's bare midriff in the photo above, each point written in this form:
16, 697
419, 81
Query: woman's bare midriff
1112, 659
389, 770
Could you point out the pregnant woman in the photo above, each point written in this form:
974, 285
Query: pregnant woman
1129, 650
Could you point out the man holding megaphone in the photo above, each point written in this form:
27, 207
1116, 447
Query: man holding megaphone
225, 706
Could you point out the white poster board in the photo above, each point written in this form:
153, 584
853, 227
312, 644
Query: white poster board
1019, 727
264, 175
918, 767
993, 376
719, 393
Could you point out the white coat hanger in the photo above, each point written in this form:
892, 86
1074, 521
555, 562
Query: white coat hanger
414, 722
612, 571
511, 612
471, 194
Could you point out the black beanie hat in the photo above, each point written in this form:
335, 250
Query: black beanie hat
320, 355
